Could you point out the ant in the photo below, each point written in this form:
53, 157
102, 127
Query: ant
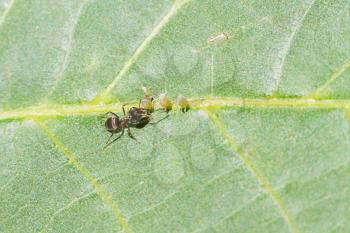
137, 117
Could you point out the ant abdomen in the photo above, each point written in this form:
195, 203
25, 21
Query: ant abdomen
112, 124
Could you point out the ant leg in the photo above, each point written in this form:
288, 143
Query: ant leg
160, 109
123, 108
140, 103
109, 138
154, 123
130, 134
107, 144
112, 114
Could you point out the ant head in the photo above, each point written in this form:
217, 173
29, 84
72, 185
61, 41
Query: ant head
113, 124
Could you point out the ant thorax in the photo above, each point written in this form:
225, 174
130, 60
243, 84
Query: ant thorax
138, 117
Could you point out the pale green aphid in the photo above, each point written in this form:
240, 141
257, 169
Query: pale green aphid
165, 102
147, 101
183, 103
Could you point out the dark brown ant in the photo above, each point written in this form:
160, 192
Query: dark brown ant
135, 117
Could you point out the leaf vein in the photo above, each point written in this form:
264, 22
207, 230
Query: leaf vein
331, 80
134, 57
286, 49
264, 182
46, 111
3, 16
66, 56
232, 213
64, 208
85, 172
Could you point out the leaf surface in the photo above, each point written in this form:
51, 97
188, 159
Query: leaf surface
264, 148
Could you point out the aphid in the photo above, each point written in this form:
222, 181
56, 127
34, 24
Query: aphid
135, 117
165, 102
220, 37
147, 101
148, 105
183, 103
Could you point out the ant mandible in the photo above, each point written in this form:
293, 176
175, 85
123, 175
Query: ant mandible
135, 117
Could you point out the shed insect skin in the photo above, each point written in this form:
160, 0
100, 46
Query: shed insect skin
220, 37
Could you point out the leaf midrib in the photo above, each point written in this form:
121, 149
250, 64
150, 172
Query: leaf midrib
62, 110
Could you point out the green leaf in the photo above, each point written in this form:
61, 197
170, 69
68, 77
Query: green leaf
264, 148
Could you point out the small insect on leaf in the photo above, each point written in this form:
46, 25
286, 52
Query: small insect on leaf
220, 37
147, 101
165, 102
147, 104
135, 117
147, 93
183, 103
